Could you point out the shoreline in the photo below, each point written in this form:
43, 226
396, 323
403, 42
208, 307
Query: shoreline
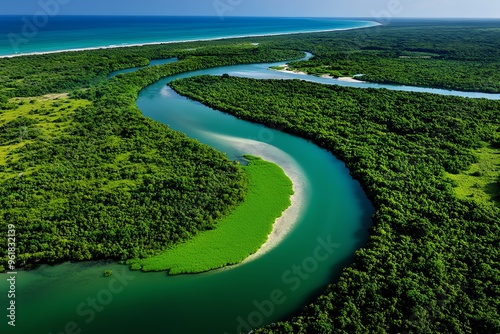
286, 69
284, 224
348, 79
104, 47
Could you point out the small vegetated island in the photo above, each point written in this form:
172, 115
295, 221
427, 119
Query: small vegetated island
84, 176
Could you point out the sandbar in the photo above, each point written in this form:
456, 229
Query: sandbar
290, 217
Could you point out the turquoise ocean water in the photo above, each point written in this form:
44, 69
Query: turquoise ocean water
39, 33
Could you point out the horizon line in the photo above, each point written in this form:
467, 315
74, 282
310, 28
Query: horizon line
272, 16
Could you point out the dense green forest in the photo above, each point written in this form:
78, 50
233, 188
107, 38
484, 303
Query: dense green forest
461, 56
432, 261
90, 177
63, 72
86, 176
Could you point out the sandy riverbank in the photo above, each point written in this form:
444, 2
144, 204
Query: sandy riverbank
349, 79
372, 24
286, 69
284, 224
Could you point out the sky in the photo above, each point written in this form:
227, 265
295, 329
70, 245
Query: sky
302, 8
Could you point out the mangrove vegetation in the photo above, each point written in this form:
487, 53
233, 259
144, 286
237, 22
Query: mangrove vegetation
431, 263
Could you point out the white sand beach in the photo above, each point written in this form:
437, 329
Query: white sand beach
349, 79
182, 41
286, 69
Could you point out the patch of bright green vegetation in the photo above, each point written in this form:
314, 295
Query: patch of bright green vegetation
479, 182
35, 118
238, 235
278, 68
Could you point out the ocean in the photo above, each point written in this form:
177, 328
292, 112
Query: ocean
42, 33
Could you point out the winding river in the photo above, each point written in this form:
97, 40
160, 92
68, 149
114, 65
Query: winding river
333, 220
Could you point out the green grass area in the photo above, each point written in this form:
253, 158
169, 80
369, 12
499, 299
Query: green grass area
277, 68
34, 118
236, 236
479, 182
